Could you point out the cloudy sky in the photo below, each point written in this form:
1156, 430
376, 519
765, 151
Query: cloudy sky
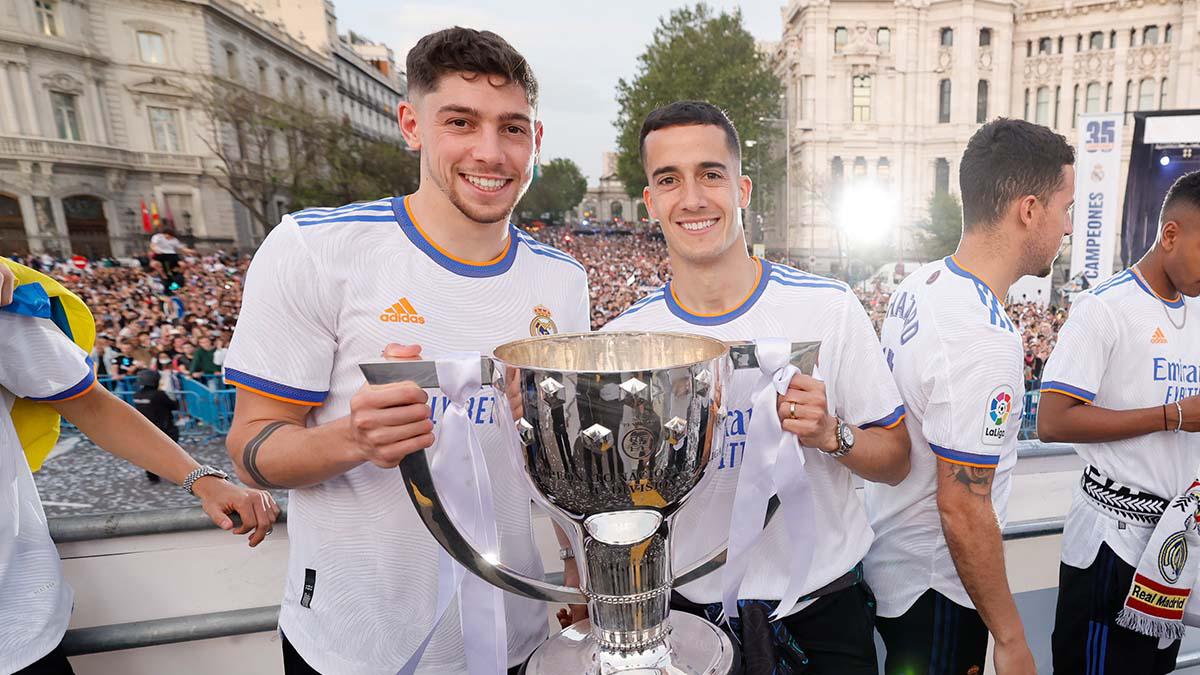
578, 50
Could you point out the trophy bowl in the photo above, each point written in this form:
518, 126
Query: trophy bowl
615, 430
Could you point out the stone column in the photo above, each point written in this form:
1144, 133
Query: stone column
9, 123
33, 125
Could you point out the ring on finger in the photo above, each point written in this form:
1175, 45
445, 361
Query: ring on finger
792, 409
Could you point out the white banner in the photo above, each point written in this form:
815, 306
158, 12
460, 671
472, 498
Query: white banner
1097, 196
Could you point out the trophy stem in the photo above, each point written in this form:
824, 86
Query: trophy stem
629, 593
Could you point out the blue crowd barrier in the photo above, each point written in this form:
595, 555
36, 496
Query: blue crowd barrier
1029, 420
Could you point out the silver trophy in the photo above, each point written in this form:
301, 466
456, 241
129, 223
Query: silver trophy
616, 431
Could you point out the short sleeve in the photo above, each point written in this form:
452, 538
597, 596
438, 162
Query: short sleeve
582, 317
284, 342
975, 406
41, 363
1081, 354
864, 392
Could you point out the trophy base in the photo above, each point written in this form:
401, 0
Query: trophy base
696, 648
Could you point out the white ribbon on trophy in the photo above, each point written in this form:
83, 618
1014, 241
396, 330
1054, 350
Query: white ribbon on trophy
772, 465
459, 468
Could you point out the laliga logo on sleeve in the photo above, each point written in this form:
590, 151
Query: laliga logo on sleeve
999, 407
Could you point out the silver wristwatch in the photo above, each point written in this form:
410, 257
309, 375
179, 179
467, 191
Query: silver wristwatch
845, 439
199, 473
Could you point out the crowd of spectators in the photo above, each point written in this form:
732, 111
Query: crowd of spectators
179, 321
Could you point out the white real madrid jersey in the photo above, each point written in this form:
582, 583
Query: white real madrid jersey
958, 361
328, 289
38, 363
801, 307
1124, 347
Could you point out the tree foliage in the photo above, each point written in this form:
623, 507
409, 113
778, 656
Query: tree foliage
558, 189
698, 55
943, 228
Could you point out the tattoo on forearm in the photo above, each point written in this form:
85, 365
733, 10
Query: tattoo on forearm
978, 480
250, 454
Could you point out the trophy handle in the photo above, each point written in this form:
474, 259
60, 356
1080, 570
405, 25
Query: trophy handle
424, 494
713, 562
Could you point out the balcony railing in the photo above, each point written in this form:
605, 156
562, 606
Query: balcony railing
93, 154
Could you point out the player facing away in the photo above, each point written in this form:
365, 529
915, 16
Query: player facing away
1121, 386
851, 423
438, 271
937, 564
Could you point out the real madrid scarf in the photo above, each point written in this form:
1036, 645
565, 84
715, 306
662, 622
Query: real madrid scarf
1166, 572
40, 296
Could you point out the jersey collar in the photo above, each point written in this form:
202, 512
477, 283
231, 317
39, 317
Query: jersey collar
466, 268
760, 284
1137, 277
953, 265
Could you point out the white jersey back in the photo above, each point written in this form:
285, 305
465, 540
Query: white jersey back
801, 307
1124, 347
328, 289
39, 362
958, 361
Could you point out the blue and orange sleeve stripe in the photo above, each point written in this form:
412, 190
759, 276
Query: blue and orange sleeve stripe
890, 421
1069, 390
965, 458
274, 390
76, 390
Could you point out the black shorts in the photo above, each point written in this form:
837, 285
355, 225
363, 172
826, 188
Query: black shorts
835, 635
294, 665
1087, 639
935, 636
54, 663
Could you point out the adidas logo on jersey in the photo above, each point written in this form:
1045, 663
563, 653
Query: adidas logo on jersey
1158, 338
401, 312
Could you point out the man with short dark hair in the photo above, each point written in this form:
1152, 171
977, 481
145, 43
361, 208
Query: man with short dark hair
937, 564
817, 618
1121, 386
439, 271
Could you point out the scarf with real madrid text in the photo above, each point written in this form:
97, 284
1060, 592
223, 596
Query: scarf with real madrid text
1166, 572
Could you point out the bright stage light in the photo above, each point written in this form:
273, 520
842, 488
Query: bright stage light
1164, 160
868, 211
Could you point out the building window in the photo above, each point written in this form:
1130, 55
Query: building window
1093, 98
262, 77
1045, 46
946, 37
981, 102
836, 173
283, 85
840, 37
944, 101
66, 115
883, 170
1128, 100
151, 47
1150, 35
1167, 35
883, 38
1108, 97
941, 176
301, 92
985, 37
1042, 112
1060, 44
1112, 40
1075, 107
1096, 40
1026, 115
47, 23
1146, 94
1132, 37
164, 129
1162, 94
860, 167
1079, 43
1057, 103
231, 63
861, 98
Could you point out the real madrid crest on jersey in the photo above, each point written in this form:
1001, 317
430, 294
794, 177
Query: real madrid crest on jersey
543, 323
